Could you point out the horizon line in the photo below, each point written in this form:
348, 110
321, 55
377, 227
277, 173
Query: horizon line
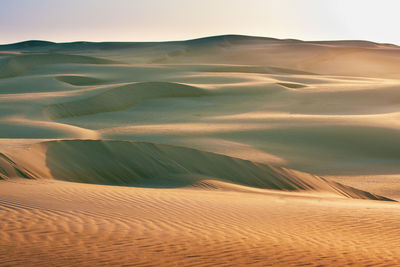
199, 38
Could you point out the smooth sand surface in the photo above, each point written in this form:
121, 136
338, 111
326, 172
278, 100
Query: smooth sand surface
221, 151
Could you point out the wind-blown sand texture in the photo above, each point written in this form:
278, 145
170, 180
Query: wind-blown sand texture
221, 151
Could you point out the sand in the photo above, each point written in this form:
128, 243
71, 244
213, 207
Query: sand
221, 151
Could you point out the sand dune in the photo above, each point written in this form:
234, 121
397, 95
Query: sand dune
156, 165
220, 151
121, 98
20, 64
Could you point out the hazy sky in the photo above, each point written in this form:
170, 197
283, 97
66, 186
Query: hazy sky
158, 20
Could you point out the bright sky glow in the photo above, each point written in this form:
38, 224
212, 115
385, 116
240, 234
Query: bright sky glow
160, 20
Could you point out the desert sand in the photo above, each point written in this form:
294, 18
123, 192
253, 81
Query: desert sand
221, 151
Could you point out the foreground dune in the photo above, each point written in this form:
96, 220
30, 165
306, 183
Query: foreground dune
90, 225
221, 151
156, 165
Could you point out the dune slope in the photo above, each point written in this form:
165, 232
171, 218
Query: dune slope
157, 165
20, 64
121, 98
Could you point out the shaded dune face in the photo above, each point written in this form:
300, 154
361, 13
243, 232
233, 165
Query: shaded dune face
121, 98
292, 85
165, 166
9, 169
79, 80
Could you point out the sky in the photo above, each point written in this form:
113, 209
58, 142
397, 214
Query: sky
163, 20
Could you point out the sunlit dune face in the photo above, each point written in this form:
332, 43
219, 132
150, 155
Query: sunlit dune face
183, 128
389, 120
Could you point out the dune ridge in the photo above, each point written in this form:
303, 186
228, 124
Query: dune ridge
227, 38
155, 165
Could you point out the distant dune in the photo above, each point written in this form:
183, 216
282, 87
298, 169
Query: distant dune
220, 151
21, 64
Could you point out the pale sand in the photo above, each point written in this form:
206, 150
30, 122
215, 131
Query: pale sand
223, 151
